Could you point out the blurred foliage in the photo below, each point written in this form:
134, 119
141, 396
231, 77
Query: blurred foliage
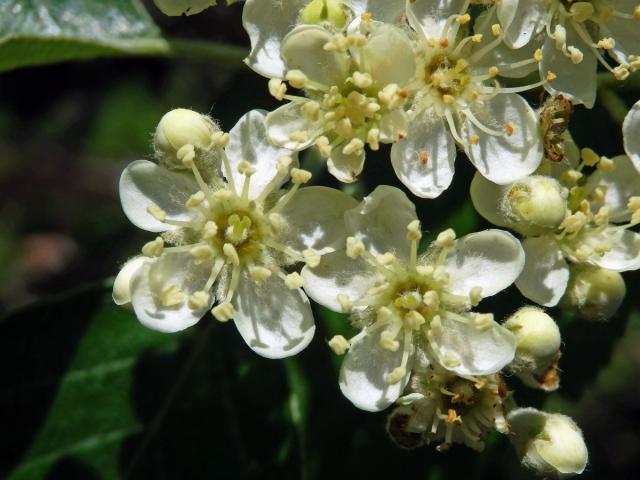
88, 393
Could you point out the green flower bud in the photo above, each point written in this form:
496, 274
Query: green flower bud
594, 293
178, 128
321, 11
535, 205
549, 443
175, 8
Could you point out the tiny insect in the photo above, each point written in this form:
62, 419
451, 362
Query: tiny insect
554, 120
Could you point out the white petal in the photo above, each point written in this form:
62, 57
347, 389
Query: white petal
545, 274
276, 322
631, 134
154, 277
316, 219
363, 376
381, 221
144, 184
424, 161
289, 119
507, 158
429, 17
625, 33
625, 251
393, 126
337, 274
522, 22
491, 260
575, 81
248, 142
487, 198
622, 184
267, 23
388, 56
345, 168
122, 284
466, 350
388, 11
303, 49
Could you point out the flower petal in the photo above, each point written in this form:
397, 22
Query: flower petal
144, 184
388, 56
290, 119
621, 184
337, 274
381, 220
248, 142
303, 49
424, 161
507, 158
345, 168
316, 218
429, 17
631, 134
521, 22
363, 376
154, 278
546, 273
625, 251
275, 321
575, 81
487, 198
466, 350
122, 284
624, 31
267, 23
387, 11
491, 260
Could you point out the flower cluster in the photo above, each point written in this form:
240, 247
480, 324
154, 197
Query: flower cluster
240, 238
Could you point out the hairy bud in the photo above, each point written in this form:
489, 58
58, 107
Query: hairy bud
594, 293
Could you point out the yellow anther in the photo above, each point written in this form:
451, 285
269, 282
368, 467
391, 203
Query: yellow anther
300, 176
311, 257
339, 344
477, 38
510, 128
493, 71
231, 253
414, 320
413, 231
171, 296
293, 281
388, 341
157, 213
153, 248
283, 163
195, 199
550, 76
299, 136
634, 204
606, 43
449, 99
311, 110
277, 88
496, 29
606, 165
537, 55
209, 230
474, 139
446, 238
202, 253
571, 177
483, 321
296, 78
463, 19
198, 300
385, 258
345, 302
355, 247
373, 139
246, 168
396, 375
259, 274
589, 157
323, 145
431, 299
354, 147
475, 295
621, 72
223, 312
186, 154
361, 80
220, 139
574, 222
575, 54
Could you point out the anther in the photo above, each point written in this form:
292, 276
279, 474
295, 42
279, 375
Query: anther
339, 344
153, 248
413, 231
171, 296
198, 300
414, 320
246, 168
550, 77
388, 341
510, 128
621, 72
496, 29
210, 230
463, 19
475, 296
354, 147
373, 139
296, 78
446, 238
589, 157
483, 321
606, 43
300, 176
606, 165
324, 146
537, 55
223, 312
277, 88
195, 199
282, 164
396, 375
299, 136
157, 213
311, 110
361, 80
385, 259
259, 274
345, 302
474, 139
186, 154
311, 257
575, 54
220, 139
293, 281
431, 299
493, 71
231, 253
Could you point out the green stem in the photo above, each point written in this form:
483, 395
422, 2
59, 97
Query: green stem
610, 100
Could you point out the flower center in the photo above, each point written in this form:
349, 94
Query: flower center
447, 75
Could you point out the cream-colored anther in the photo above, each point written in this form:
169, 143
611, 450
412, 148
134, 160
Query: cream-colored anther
440, 275
195, 199
589, 157
293, 281
154, 248
277, 88
354, 147
581, 11
474, 139
414, 233
231, 253
483, 321
463, 19
431, 299
446, 238
436, 324
602, 217
389, 95
339, 344
311, 110
509, 128
355, 247
560, 36
245, 168
477, 38
606, 43
157, 213
361, 80
198, 300
574, 222
311, 257
425, 270
373, 139
396, 375
210, 230
448, 99
296, 78
259, 274
278, 222
633, 204
223, 312
223, 195
388, 341
537, 55
571, 177
299, 136
606, 165
171, 296
186, 154
300, 176
282, 164
575, 54
220, 139
496, 29
414, 320
202, 253
345, 302
324, 146
475, 296
550, 77
493, 71
385, 259
621, 72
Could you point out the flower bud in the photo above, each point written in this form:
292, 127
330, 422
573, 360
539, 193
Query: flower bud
122, 284
549, 443
178, 128
594, 293
320, 11
538, 348
175, 8
535, 205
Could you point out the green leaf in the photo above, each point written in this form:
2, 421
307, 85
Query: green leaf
37, 32
68, 371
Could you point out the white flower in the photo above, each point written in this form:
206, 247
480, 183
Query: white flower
574, 37
603, 207
631, 134
549, 443
175, 8
404, 302
458, 100
354, 87
231, 242
450, 409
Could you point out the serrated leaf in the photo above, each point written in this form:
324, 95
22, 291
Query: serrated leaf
37, 32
